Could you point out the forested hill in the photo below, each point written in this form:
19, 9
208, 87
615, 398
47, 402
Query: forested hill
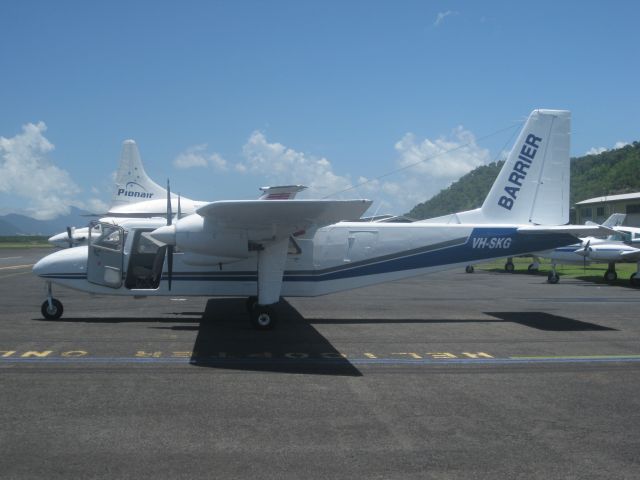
608, 173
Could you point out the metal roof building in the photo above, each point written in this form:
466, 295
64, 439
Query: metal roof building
598, 209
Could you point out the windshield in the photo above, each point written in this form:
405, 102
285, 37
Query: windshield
107, 236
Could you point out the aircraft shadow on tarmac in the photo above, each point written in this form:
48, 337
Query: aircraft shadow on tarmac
226, 340
537, 320
548, 322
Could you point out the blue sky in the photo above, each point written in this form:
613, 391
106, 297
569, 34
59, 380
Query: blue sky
224, 97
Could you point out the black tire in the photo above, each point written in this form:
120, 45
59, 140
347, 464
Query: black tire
469, 269
532, 268
53, 313
634, 280
610, 276
250, 303
263, 317
553, 279
509, 267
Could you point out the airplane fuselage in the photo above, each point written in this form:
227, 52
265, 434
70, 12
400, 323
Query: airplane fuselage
338, 257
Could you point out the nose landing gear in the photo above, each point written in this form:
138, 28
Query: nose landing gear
51, 308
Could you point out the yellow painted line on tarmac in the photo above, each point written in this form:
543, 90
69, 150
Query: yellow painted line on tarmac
16, 267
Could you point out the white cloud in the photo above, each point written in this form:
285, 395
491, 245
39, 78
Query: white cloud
441, 16
599, 150
282, 165
97, 206
425, 167
25, 171
596, 150
197, 156
447, 158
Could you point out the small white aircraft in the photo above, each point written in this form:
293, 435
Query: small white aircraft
136, 195
622, 245
265, 250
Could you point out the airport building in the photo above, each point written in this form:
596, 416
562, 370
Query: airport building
600, 208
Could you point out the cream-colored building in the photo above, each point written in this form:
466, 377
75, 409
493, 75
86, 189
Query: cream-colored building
600, 208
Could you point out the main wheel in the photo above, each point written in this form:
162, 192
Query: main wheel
54, 312
634, 280
532, 268
469, 269
263, 317
509, 267
553, 278
610, 276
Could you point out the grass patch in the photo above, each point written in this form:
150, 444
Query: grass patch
24, 241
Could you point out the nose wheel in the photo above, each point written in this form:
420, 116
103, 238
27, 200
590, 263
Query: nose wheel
51, 308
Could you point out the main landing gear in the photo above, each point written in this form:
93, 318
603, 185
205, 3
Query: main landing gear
610, 275
553, 276
51, 308
634, 279
509, 267
263, 317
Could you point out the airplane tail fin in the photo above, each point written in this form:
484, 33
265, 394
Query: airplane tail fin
132, 182
533, 185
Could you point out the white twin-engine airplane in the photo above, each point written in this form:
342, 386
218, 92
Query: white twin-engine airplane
265, 250
135, 195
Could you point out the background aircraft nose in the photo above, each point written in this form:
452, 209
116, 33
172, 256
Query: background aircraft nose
59, 240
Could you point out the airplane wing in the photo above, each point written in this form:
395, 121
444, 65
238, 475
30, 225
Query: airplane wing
575, 230
288, 216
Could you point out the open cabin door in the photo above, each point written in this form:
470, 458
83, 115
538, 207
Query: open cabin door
104, 265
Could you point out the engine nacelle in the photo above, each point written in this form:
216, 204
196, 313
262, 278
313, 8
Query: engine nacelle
196, 234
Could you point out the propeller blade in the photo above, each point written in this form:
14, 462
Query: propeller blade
170, 264
70, 236
169, 247
179, 209
169, 213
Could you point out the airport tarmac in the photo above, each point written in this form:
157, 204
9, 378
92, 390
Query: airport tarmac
488, 375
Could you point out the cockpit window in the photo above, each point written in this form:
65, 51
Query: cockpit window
620, 237
147, 244
108, 236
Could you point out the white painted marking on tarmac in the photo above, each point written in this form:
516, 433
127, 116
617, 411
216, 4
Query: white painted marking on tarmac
8, 258
15, 267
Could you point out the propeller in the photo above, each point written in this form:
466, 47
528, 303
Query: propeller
70, 236
584, 252
170, 247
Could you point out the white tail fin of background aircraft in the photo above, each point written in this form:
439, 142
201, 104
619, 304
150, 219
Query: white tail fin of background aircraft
533, 185
132, 182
